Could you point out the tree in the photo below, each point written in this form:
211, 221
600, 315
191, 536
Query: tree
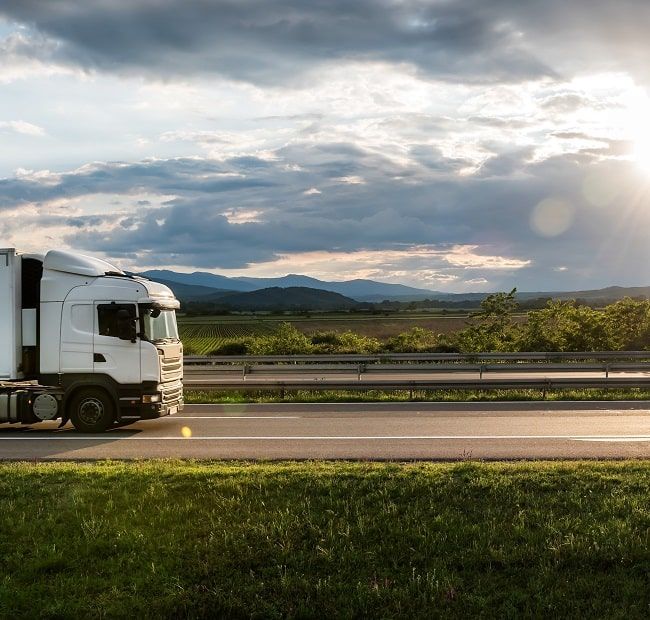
564, 326
491, 328
627, 324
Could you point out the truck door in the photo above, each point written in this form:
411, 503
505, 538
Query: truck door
116, 348
76, 349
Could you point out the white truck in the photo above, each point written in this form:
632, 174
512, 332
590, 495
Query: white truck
81, 340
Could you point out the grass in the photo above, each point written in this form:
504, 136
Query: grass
314, 540
341, 396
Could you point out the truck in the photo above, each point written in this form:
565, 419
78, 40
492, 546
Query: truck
83, 341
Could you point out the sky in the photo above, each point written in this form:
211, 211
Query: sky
453, 145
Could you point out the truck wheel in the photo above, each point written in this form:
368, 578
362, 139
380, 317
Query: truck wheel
91, 411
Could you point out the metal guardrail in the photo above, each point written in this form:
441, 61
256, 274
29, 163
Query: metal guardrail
417, 357
414, 371
368, 369
541, 384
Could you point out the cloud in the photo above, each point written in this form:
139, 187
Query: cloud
287, 40
22, 127
239, 212
262, 43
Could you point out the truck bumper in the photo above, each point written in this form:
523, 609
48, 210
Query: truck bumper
158, 410
166, 402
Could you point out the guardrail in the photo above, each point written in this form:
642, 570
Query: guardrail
380, 358
542, 384
414, 371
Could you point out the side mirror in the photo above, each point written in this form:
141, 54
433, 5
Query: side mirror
125, 326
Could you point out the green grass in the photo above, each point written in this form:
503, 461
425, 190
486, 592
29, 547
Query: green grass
314, 540
368, 396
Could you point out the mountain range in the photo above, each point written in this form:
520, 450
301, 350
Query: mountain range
296, 291
360, 290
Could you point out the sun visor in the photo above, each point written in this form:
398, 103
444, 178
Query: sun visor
71, 262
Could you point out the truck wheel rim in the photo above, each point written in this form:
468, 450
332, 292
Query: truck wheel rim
91, 411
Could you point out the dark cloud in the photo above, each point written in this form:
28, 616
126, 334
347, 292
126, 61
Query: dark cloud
265, 42
507, 162
170, 176
398, 206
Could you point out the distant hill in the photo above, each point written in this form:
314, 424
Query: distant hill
290, 298
360, 290
190, 292
211, 288
610, 292
200, 278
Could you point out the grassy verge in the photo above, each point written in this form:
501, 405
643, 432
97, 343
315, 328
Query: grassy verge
306, 396
313, 540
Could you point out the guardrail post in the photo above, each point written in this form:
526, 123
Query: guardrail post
606, 371
481, 368
243, 372
359, 371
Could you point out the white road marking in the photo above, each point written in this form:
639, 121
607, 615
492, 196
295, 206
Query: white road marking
231, 417
74, 437
606, 439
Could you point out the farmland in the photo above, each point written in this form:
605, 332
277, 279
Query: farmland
201, 335
200, 338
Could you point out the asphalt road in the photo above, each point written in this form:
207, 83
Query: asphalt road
400, 431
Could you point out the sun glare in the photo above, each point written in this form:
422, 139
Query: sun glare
641, 149
637, 122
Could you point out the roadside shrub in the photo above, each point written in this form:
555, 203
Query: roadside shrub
627, 324
415, 340
287, 340
564, 326
344, 342
233, 347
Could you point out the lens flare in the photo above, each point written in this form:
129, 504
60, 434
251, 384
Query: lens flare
186, 431
551, 217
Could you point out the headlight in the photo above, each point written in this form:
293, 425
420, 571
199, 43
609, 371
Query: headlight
151, 398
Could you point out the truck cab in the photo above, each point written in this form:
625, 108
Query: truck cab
97, 344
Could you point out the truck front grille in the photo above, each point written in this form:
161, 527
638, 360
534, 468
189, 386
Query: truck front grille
171, 370
172, 392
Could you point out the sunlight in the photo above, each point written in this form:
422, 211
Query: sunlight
641, 149
638, 127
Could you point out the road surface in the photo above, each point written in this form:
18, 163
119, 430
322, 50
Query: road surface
400, 431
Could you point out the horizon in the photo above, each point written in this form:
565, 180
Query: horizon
457, 147
522, 291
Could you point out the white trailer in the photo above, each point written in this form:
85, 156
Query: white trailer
81, 340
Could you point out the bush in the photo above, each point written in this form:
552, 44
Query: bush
344, 342
234, 347
286, 341
416, 340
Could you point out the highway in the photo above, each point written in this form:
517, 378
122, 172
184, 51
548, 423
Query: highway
396, 431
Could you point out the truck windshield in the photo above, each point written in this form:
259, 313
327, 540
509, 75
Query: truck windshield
159, 324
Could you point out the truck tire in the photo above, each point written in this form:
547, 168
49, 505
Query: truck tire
91, 410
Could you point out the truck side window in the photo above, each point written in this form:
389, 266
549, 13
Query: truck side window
111, 315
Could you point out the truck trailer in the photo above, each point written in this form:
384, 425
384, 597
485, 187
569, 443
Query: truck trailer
83, 341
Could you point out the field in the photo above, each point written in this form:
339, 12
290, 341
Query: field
201, 335
200, 338
316, 540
